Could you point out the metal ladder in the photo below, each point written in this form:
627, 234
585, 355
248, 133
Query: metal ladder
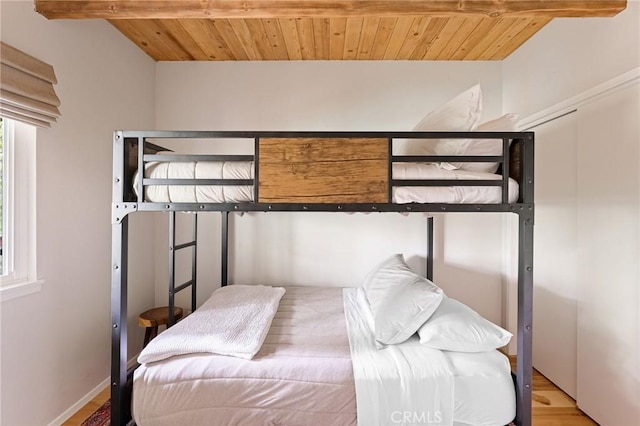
173, 248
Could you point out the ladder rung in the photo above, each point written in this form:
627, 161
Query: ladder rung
182, 287
185, 245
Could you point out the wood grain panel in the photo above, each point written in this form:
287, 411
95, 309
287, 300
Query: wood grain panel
367, 38
127, 9
457, 39
481, 31
414, 36
305, 36
241, 30
435, 27
275, 39
534, 25
515, 28
449, 30
327, 170
260, 38
383, 36
501, 26
321, 34
399, 34
337, 28
402, 38
184, 38
208, 38
291, 41
352, 38
153, 39
231, 39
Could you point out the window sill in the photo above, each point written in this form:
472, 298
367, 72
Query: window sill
19, 289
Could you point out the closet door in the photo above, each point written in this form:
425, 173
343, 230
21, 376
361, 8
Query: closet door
555, 253
609, 257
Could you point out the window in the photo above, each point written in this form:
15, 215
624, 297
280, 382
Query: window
2, 196
17, 210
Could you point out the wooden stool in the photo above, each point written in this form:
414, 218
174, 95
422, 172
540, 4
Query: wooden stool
155, 317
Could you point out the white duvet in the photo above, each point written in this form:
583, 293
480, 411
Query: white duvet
244, 170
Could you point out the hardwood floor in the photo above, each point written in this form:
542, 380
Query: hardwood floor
87, 410
551, 406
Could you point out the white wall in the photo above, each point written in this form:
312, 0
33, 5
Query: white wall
56, 343
333, 249
586, 260
566, 58
608, 338
569, 56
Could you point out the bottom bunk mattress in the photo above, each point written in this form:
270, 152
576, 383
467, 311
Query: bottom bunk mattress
302, 375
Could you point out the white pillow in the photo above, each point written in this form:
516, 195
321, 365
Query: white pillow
461, 113
401, 301
456, 327
506, 123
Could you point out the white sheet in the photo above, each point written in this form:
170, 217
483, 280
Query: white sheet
244, 170
484, 391
405, 384
234, 321
302, 375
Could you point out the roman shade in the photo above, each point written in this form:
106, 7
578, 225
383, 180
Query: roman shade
26, 88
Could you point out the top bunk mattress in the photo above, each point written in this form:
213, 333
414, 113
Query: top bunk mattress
302, 375
245, 170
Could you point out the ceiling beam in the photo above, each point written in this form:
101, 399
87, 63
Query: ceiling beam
209, 9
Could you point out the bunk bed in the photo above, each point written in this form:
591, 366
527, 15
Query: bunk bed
305, 172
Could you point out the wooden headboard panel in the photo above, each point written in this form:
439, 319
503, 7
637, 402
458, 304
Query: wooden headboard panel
323, 170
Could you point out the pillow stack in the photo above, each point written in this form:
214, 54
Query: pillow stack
403, 303
462, 113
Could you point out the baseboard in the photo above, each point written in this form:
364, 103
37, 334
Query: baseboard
66, 415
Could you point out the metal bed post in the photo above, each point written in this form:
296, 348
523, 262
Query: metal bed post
525, 316
225, 248
172, 266
194, 264
430, 248
119, 399
524, 367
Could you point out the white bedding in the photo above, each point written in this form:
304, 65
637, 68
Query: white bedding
197, 193
302, 375
234, 321
244, 170
407, 384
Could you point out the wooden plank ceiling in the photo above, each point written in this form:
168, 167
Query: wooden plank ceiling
240, 30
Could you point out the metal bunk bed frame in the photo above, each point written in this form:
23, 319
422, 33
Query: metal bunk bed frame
125, 203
